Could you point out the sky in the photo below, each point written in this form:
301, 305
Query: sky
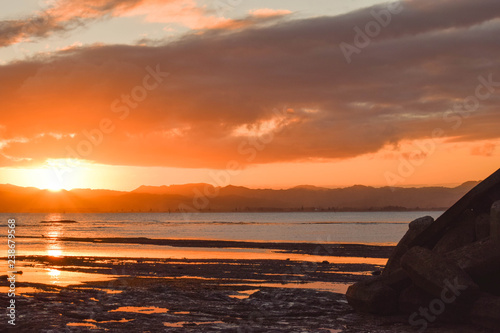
116, 94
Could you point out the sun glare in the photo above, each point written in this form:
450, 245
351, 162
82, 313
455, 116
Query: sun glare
54, 187
55, 175
48, 178
54, 253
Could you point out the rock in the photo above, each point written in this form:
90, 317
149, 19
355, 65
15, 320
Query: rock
373, 296
485, 311
378, 295
489, 283
495, 221
462, 234
436, 275
412, 298
482, 226
475, 197
420, 224
398, 280
415, 228
456, 281
477, 259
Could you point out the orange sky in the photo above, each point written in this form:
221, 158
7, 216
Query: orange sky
261, 95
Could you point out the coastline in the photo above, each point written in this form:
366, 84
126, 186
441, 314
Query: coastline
325, 249
198, 295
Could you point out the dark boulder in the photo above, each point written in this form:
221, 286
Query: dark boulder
450, 266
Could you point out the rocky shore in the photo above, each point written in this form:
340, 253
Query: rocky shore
167, 295
444, 270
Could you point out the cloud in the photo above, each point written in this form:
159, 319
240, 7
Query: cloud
486, 149
217, 103
66, 15
62, 16
267, 12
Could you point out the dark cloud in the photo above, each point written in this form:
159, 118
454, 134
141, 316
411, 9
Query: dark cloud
67, 15
225, 84
64, 16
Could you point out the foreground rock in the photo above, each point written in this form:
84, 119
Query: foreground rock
443, 270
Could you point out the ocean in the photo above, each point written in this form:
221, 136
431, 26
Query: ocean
36, 238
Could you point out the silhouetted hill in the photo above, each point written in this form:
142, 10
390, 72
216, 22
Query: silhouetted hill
187, 189
204, 197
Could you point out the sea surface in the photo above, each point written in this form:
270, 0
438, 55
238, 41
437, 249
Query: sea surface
316, 227
36, 238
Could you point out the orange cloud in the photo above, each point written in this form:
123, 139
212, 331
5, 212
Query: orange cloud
67, 15
217, 102
486, 149
184, 12
267, 12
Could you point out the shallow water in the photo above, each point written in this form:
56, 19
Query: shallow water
318, 227
52, 276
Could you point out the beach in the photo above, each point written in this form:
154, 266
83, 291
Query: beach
217, 272
302, 290
199, 295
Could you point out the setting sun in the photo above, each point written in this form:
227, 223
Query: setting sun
55, 175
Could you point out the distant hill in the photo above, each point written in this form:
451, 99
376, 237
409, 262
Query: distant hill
204, 197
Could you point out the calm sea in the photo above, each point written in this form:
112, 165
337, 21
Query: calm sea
331, 227
320, 227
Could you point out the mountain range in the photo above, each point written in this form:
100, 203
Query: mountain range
205, 197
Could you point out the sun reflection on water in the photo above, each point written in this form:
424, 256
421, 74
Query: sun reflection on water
54, 275
53, 232
54, 252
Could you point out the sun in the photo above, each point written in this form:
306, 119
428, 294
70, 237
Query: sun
54, 175
59, 174
54, 187
48, 178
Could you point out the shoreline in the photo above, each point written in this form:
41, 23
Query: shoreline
194, 295
179, 295
181, 286
320, 249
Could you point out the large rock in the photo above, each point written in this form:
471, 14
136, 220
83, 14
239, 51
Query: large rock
478, 198
415, 228
373, 296
435, 275
414, 301
462, 234
450, 267
477, 259
495, 221
482, 225
485, 312
489, 283
413, 298
378, 295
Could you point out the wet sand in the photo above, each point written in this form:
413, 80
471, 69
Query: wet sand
73, 294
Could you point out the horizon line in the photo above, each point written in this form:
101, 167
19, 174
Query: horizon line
276, 188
